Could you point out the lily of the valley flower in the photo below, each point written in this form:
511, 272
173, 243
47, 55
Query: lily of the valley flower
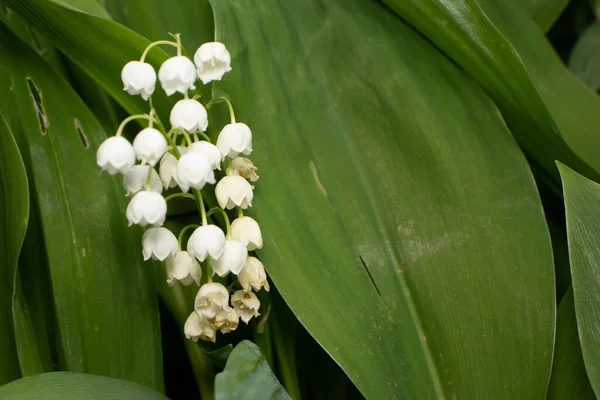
234, 139
244, 167
198, 327
226, 321
253, 276
146, 208
138, 78
190, 115
245, 304
159, 243
115, 154
207, 240
177, 74
211, 298
210, 151
194, 170
247, 231
234, 191
232, 260
137, 178
168, 168
183, 268
212, 61
149, 145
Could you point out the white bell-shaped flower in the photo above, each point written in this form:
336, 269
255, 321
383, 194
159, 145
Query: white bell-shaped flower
150, 145
168, 168
115, 154
232, 260
137, 178
226, 321
212, 61
211, 298
245, 304
234, 191
194, 170
159, 243
244, 167
139, 78
146, 208
177, 74
198, 327
190, 115
235, 139
205, 241
253, 276
183, 268
210, 151
247, 231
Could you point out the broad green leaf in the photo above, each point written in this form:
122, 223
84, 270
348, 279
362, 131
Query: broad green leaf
585, 57
388, 184
544, 12
582, 203
74, 386
103, 295
470, 36
569, 379
247, 376
14, 215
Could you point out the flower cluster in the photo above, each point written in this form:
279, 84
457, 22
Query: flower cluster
184, 157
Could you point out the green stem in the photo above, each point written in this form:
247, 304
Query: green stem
183, 231
225, 217
240, 212
200, 204
151, 45
179, 130
209, 272
174, 195
149, 178
229, 105
132, 118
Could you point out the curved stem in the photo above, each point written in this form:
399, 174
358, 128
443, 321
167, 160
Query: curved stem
240, 212
151, 45
131, 118
187, 138
175, 195
229, 105
225, 216
183, 231
200, 204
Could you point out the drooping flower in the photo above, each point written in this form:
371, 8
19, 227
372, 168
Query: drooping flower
138, 78
194, 170
226, 321
150, 145
245, 304
244, 167
177, 74
232, 260
137, 178
210, 151
234, 191
198, 327
159, 243
190, 115
235, 139
115, 154
246, 230
146, 208
168, 168
212, 61
211, 298
253, 276
207, 240
183, 268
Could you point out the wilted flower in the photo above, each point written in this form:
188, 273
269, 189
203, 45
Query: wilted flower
150, 145
244, 167
232, 191
137, 178
245, 304
211, 298
138, 78
198, 327
115, 154
183, 268
226, 321
212, 61
190, 115
232, 260
147, 208
210, 151
194, 170
177, 74
235, 139
207, 240
159, 243
247, 231
253, 276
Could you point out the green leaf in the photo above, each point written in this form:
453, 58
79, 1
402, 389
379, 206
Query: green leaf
582, 203
14, 201
74, 386
247, 376
544, 12
388, 184
569, 379
473, 38
103, 295
585, 57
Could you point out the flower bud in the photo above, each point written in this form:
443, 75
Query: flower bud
194, 170
115, 154
138, 78
235, 139
245, 304
232, 260
232, 191
183, 268
211, 298
207, 240
177, 74
189, 115
212, 61
146, 208
150, 145
210, 151
137, 178
244, 167
159, 243
247, 231
198, 327
253, 276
